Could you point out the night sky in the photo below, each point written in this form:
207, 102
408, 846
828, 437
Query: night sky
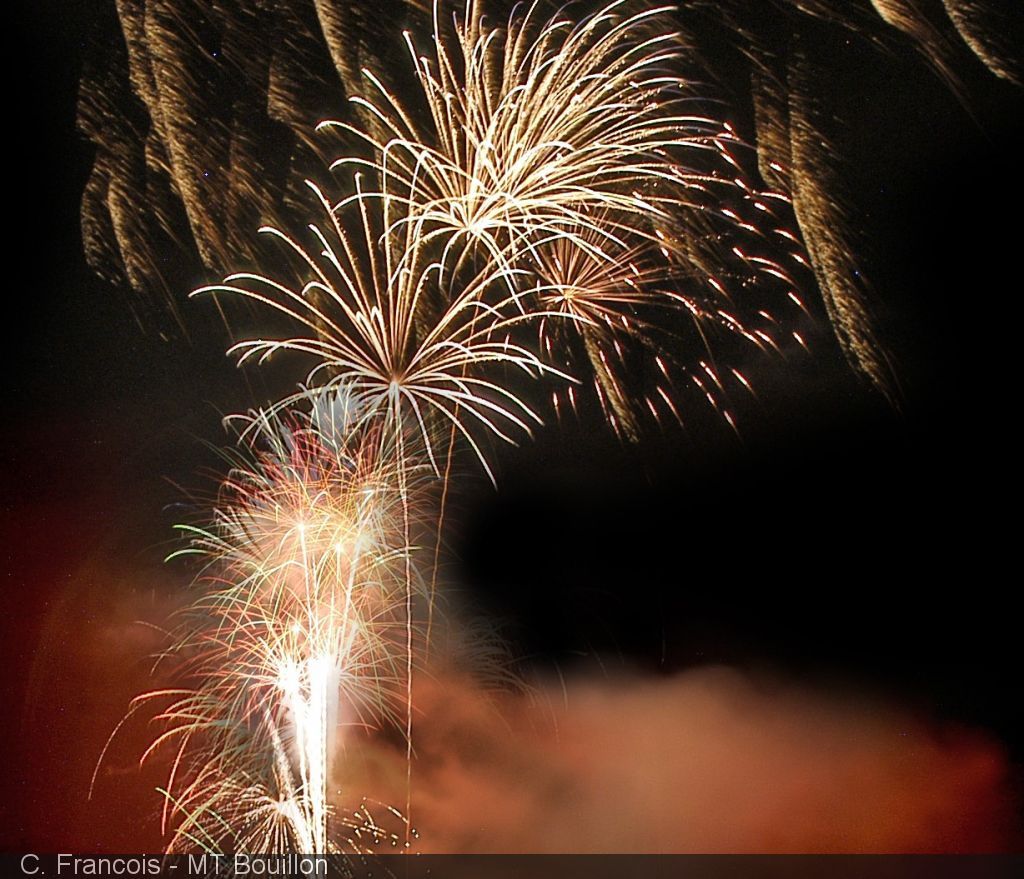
839, 542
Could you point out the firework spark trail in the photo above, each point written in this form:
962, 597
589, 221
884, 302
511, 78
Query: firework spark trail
602, 296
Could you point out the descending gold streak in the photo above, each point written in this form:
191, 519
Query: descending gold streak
994, 31
817, 212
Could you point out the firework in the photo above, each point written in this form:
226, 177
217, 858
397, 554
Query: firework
654, 303
201, 117
571, 159
414, 324
542, 130
553, 196
299, 626
370, 326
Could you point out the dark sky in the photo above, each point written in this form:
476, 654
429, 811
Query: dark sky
839, 540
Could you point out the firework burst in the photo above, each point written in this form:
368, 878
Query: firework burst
299, 628
541, 130
374, 328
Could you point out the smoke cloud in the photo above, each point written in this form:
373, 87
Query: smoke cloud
711, 761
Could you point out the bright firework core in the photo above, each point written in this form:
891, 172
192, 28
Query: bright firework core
310, 694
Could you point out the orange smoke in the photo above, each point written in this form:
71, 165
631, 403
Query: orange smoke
710, 761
